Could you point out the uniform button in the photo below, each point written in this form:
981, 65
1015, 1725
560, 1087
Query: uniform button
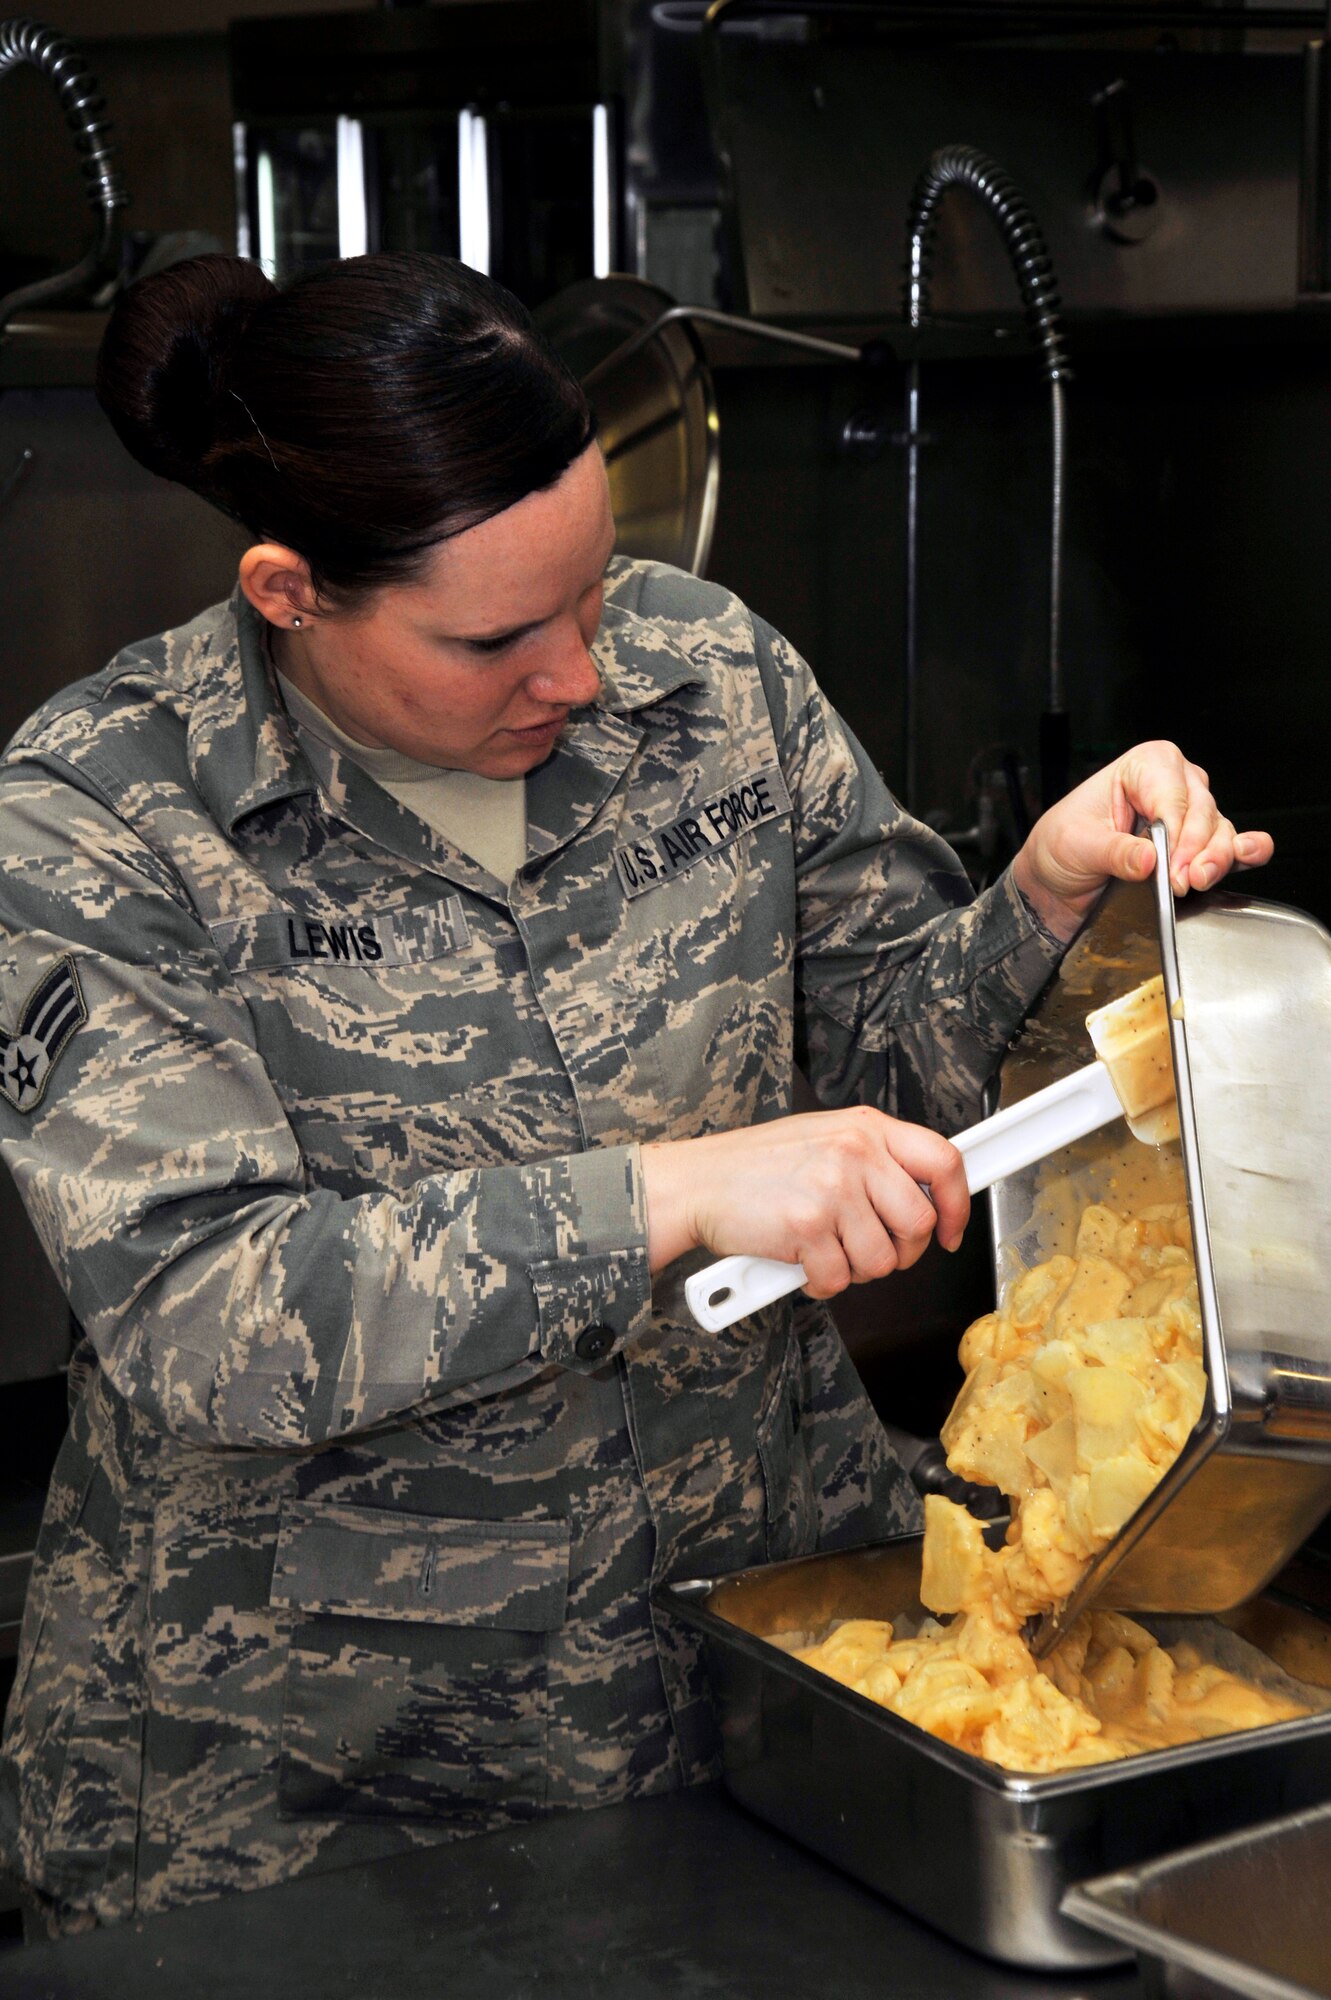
593, 1343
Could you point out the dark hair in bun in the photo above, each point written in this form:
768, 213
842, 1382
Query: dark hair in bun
359, 415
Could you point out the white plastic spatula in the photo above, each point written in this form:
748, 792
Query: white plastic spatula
1133, 1078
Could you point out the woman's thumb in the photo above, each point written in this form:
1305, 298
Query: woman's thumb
1130, 857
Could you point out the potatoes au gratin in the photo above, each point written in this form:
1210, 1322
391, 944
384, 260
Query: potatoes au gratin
1080, 1392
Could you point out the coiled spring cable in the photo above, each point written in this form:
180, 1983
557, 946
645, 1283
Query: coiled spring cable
994, 187
23, 41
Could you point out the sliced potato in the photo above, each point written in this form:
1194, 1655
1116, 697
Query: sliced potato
1096, 1292
1054, 1452
1121, 1343
1106, 1404
1115, 1490
1097, 1232
954, 1555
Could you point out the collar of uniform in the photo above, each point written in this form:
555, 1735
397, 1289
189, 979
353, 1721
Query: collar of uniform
356, 797
565, 793
243, 751
639, 662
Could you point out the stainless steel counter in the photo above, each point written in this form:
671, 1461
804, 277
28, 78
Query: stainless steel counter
684, 1895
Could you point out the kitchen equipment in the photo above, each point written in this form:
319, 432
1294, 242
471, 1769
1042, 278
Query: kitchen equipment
24, 41
656, 415
983, 1853
1132, 1077
991, 185
1249, 987
1245, 1915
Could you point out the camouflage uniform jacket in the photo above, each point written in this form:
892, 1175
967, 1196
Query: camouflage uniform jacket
381, 1429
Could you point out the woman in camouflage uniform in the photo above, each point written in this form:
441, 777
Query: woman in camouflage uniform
372, 1165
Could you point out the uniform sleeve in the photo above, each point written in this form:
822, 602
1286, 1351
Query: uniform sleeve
907, 990
231, 1301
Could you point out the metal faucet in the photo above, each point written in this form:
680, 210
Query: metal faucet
964, 166
85, 113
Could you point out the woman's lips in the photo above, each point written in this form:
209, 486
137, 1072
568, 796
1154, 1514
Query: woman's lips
540, 732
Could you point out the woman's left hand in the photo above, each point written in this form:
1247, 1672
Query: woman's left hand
1075, 848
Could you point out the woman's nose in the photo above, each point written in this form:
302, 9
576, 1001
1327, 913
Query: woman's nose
570, 681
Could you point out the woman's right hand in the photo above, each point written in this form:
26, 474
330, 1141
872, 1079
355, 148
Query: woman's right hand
840, 1192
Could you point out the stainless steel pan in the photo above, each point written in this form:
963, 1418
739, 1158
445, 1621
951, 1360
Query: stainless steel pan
984, 1854
1250, 984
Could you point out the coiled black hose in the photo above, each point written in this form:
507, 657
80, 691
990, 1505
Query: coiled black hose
967, 167
85, 113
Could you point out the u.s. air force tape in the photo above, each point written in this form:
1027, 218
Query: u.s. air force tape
658, 856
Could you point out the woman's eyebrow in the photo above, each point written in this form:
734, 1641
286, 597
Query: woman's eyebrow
495, 638
511, 632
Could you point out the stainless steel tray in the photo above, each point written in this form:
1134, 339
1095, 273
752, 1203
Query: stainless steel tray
1250, 987
1243, 1915
983, 1854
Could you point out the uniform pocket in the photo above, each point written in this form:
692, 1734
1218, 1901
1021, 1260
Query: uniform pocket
91, 1842
416, 1685
792, 1513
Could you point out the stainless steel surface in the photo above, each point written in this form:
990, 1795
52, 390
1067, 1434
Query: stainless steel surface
819, 133
1243, 1915
984, 1854
1252, 1059
656, 414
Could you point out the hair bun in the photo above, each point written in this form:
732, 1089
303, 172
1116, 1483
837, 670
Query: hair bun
168, 350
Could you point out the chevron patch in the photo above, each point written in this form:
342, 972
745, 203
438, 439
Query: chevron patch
49, 1016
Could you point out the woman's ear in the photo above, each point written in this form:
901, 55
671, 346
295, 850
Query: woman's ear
277, 583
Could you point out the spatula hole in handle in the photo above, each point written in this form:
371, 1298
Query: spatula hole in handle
715, 1300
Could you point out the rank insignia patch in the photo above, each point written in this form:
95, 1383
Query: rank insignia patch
50, 1014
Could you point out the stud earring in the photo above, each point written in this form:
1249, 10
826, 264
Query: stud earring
297, 623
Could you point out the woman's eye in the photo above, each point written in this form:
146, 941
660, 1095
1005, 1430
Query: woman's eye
488, 647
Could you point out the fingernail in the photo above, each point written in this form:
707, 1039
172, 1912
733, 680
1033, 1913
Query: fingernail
1244, 846
1205, 875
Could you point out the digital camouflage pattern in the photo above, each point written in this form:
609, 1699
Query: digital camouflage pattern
380, 1429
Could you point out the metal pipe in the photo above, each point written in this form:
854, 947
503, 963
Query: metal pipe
1315, 169
1037, 17
24, 41
909, 718
756, 329
965, 166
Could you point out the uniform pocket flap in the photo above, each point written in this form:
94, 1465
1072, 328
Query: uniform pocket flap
368, 1562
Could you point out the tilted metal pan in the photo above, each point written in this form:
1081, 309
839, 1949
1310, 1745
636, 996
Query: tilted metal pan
1249, 984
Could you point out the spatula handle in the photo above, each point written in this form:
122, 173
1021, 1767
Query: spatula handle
1012, 1139
1039, 1125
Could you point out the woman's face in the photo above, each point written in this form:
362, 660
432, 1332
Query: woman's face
477, 666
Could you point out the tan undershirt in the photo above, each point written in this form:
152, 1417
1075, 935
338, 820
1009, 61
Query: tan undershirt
485, 817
